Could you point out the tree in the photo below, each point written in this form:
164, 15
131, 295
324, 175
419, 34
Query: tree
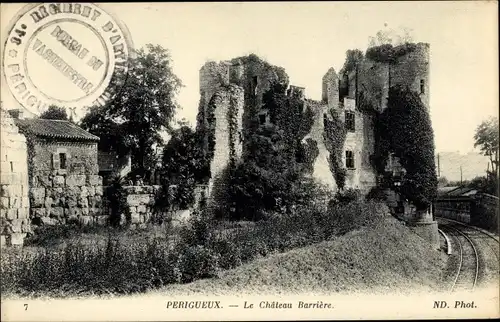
272, 174
486, 138
145, 107
406, 131
55, 113
184, 165
389, 36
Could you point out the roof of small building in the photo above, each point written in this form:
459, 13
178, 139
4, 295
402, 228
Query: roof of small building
55, 129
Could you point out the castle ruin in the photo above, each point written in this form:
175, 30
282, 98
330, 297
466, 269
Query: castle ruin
235, 87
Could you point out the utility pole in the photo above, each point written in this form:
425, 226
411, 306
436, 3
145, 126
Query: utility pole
460, 175
439, 168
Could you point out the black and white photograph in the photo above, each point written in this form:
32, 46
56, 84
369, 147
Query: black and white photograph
188, 161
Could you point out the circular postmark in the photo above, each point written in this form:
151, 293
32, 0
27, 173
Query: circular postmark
73, 55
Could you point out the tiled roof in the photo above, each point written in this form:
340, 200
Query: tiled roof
55, 129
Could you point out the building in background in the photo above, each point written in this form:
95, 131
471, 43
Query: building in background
455, 166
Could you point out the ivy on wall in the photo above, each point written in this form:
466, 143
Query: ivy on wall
232, 119
404, 129
389, 54
335, 135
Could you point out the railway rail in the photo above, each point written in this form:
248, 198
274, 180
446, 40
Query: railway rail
469, 263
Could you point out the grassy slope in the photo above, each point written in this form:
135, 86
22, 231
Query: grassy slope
385, 258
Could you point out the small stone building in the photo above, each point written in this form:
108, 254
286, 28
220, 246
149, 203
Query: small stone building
63, 173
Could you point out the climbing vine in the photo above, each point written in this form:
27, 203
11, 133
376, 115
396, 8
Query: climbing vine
335, 135
389, 54
414, 148
232, 119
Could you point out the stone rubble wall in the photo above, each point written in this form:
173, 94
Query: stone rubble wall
14, 206
64, 196
141, 200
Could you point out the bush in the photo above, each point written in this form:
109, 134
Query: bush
116, 197
120, 267
347, 196
376, 193
197, 262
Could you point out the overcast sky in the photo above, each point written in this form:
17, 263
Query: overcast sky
310, 37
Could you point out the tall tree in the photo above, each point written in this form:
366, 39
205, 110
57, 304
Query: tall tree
184, 164
486, 138
145, 107
55, 113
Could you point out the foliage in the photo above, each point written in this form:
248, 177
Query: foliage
484, 213
145, 107
113, 137
387, 53
122, 267
275, 161
392, 37
346, 196
116, 197
405, 130
353, 58
55, 113
335, 135
376, 193
442, 182
486, 184
486, 138
183, 166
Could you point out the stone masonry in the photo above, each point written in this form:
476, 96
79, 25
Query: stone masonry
140, 202
14, 207
60, 196
64, 183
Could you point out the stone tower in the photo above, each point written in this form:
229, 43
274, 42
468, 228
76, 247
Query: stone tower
221, 104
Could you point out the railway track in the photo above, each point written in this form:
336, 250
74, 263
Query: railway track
471, 261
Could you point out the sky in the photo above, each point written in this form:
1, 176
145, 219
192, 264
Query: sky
307, 38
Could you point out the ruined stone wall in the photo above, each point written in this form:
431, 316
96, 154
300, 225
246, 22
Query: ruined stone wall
361, 143
413, 68
252, 74
321, 168
373, 83
228, 110
60, 196
14, 206
331, 89
140, 202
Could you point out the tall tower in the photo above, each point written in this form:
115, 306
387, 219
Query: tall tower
221, 110
412, 70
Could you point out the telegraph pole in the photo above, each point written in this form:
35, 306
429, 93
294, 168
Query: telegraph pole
460, 175
439, 168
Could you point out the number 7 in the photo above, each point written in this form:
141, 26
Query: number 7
26, 307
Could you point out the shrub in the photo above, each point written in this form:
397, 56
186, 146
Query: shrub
120, 267
376, 193
197, 262
116, 198
347, 196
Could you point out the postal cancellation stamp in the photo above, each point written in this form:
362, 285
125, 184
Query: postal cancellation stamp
65, 54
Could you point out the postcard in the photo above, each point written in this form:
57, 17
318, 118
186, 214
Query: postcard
178, 161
